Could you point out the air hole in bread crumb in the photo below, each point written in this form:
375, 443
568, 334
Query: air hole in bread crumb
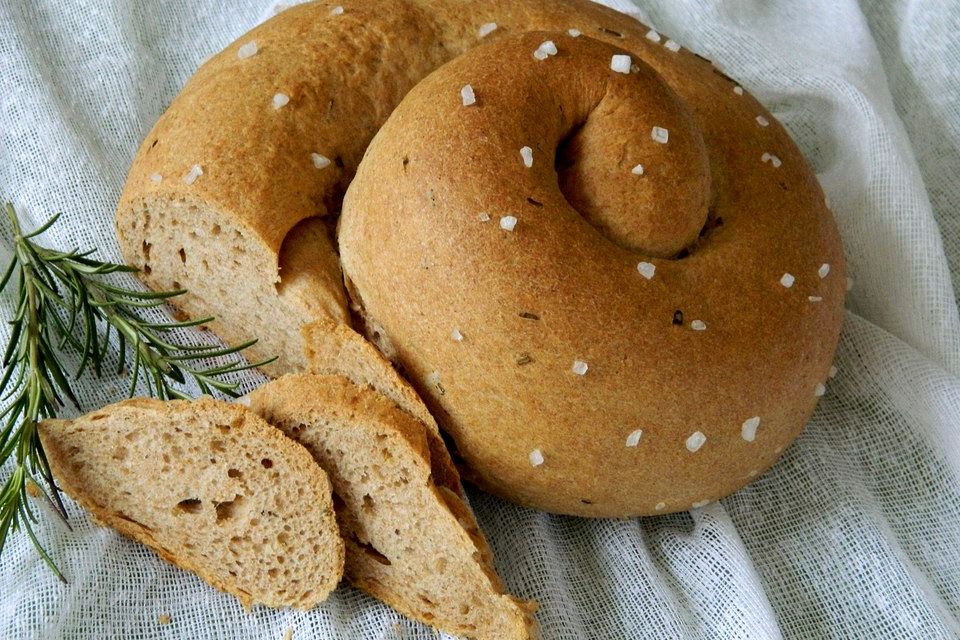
427, 600
215, 230
678, 317
367, 504
464, 609
234, 473
217, 446
145, 249
266, 463
120, 453
147, 269
190, 505
273, 572
223, 428
183, 255
406, 161
101, 416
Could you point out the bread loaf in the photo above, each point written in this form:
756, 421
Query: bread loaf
211, 488
411, 539
604, 266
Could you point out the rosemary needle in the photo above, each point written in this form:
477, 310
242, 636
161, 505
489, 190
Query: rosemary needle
64, 303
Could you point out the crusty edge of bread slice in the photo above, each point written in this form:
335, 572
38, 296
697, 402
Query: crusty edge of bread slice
286, 403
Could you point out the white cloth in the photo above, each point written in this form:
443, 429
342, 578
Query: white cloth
855, 533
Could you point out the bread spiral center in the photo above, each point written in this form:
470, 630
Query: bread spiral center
640, 130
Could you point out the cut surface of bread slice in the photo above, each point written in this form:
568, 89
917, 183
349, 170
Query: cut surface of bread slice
410, 542
210, 487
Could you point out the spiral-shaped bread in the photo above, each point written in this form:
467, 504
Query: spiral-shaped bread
602, 263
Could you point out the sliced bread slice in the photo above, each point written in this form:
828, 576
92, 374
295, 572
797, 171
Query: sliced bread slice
410, 542
210, 487
333, 348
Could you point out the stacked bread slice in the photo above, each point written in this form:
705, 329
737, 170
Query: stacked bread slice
320, 478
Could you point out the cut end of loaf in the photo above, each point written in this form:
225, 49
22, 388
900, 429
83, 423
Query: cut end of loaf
180, 242
211, 488
410, 542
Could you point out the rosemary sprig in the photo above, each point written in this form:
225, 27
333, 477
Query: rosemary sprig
64, 303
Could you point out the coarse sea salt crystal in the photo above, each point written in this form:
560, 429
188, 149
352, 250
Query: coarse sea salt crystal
819, 390
637, 170
653, 36
486, 29
695, 441
507, 223
647, 269
280, 100
698, 325
772, 159
738, 90
247, 50
672, 45
833, 372
483, 217
574, 33
536, 457
456, 335
319, 161
660, 506
700, 503
659, 134
527, 154
195, 172
336, 11
468, 96
621, 63
815, 298
787, 280
823, 270
579, 367
546, 49
748, 430
156, 178
634, 438
763, 122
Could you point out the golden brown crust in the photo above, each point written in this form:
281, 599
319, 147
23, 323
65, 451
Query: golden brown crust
528, 424
345, 74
